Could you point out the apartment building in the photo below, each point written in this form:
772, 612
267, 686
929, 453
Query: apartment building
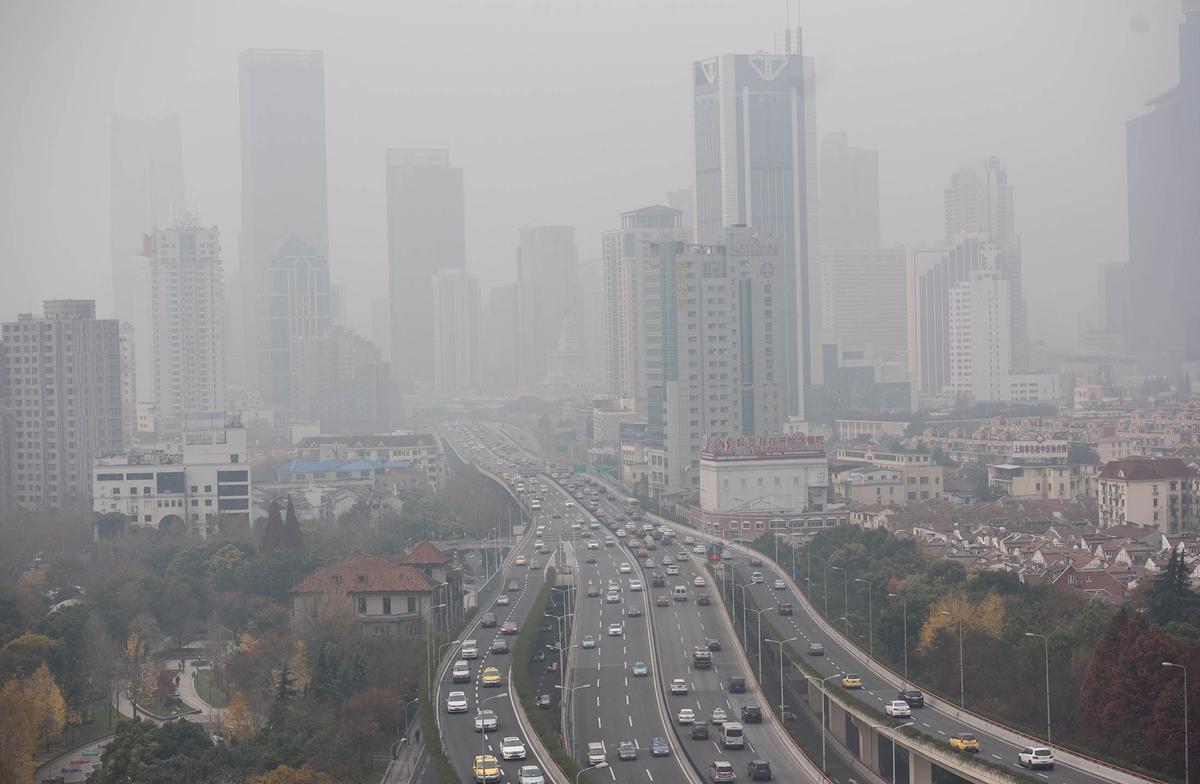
924, 480
1164, 493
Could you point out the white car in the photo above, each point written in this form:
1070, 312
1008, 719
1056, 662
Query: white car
688, 540
530, 774
570, 504
1036, 757
778, 585
686, 716
614, 597
593, 545
456, 702
698, 549
679, 686
699, 582
635, 585
718, 716
512, 748
897, 708
672, 571
756, 577
667, 560
615, 630
625, 568
620, 533
485, 721
502, 600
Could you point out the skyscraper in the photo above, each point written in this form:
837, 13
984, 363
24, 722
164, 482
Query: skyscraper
339, 379
426, 233
283, 175
863, 301
64, 382
295, 304
145, 189
455, 331
849, 194
756, 166
547, 294
1163, 162
188, 299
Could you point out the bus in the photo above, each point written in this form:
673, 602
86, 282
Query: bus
632, 505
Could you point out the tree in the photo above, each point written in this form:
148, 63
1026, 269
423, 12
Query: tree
51, 708
371, 716
1170, 597
288, 775
273, 535
292, 538
238, 721
99, 662
298, 665
18, 739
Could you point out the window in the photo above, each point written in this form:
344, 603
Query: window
362, 604
387, 605
412, 604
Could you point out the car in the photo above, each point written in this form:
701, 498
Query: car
543, 702
569, 505
778, 585
659, 747
689, 540
699, 549
964, 741
640, 669
635, 585
500, 645
851, 681
591, 559
461, 672
488, 620
662, 601
686, 716
620, 532
608, 542
785, 608
682, 556
593, 591
588, 642
713, 644
913, 697
520, 560
613, 597
593, 545
717, 716
486, 768
512, 748
699, 581
509, 628
538, 544
530, 774
502, 600
751, 714
649, 563
491, 677
672, 571
469, 649
456, 702
625, 568
720, 770
668, 560
897, 709
736, 685
1036, 757
596, 753
657, 580
535, 564
627, 750
634, 612
679, 686
759, 770
513, 585
699, 730
486, 721
539, 655
816, 649
756, 577
616, 630
756, 562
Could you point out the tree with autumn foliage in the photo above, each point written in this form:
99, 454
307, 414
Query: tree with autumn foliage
288, 775
237, 720
18, 738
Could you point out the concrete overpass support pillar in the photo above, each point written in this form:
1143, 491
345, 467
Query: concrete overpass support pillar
920, 770
814, 698
837, 722
868, 745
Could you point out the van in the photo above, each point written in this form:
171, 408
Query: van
732, 736
736, 685
596, 753
679, 593
470, 649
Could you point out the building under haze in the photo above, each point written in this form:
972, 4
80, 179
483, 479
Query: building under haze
294, 304
283, 179
547, 294
756, 165
63, 381
145, 191
187, 296
1163, 162
498, 339
339, 379
455, 317
849, 194
864, 302
426, 233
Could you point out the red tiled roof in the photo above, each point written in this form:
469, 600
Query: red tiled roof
365, 574
1160, 468
426, 553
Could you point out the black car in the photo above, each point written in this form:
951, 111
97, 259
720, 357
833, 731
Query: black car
713, 644
591, 559
699, 730
657, 580
488, 620
751, 714
543, 701
539, 655
737, 685
913, 697
756, 562
634, 612
758, 770
785, 608
703, 600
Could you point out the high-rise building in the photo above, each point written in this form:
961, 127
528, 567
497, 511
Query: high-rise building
145, 190
63, 381
283, 177
129, 395
756, 166
455, 319
498, 339
849, 194
381, 326
864, 302
340, 380
294, 304
426, 233
188, 301
684, 200
8, 436
629, 254
1115, 290
1163, 167
980, 202
719, 364
547, 294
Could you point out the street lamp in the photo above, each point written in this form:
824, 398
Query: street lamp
483, 729
742, 587
845, 596
1185, 718
894, 730
825, 582
870, 614
758, 647
597, 766
962, 693
821, 686
903, 599
431, 667
780, 643
1046, 646
571, 690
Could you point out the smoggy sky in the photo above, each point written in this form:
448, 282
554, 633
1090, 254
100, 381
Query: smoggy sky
571, 112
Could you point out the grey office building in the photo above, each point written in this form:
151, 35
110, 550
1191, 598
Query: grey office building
849, 194
283, 174
547, 295
295, 306
756, 165
426, 233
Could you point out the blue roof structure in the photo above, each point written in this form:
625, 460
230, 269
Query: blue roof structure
298, 466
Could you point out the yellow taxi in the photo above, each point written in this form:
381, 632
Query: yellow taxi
520, 560
851, 681
964, 741
490, 677
486, 768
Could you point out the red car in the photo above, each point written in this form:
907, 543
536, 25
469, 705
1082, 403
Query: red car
552, 667
509, 628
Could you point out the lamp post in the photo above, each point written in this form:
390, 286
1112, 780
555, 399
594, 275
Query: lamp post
1046, 648
821, 685
597, 766
483, 729
825, 582
870, 615
431, 667
845, 596
962, 693
1186, 766
903, 599
780, 643
571, 691
894, 730
410, 702
742, 587
758, 647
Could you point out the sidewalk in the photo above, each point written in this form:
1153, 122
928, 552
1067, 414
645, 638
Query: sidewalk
52, 768
208, 715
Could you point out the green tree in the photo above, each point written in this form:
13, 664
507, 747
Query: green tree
273, 535
1170, 597
292, 538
